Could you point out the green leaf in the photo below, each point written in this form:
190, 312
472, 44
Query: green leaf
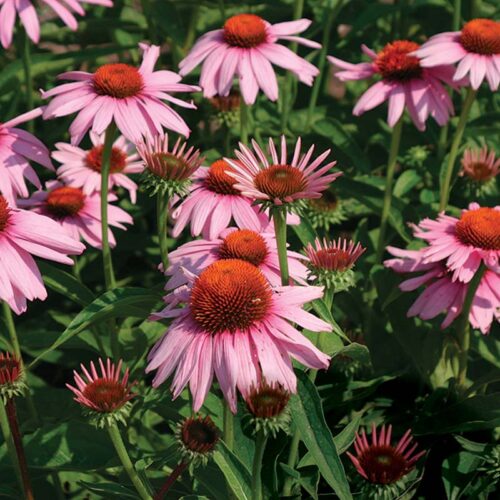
372, 197
324, 312
49, 62
108, 490
406, 181
68, 446
237, 475
336, 132
458, 472
305, 231
65, 284
346, 436
356, 352
307, 413
120, 302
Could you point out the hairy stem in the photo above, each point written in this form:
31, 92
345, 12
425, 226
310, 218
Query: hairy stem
28, 77
286, 98
109, 275
331, 16
162, 218
260, 447
389, 182
279, 216
455, 146
122, 453
463, 326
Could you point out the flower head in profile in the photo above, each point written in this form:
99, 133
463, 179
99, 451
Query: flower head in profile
130, 97
331, 262
11, 377
404, 83
17, 149
259, 249
64, 9
78, 214
480, 165
24, 234
465, 242
442, 293
197, 438
82, 169
234, 325
379, 461
168, 170
268, 406
326, 211
247, 47
106, 395
213, 202
276, 180
476, 49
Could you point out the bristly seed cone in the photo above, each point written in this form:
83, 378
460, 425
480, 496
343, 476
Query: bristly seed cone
197, 438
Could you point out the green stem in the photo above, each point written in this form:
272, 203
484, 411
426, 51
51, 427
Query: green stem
332, 14
279, 216
455, 145
463, 326
292, 460
11, 328
191, 32
28, 78
260, 447
9, 441
457, 14
162, 218
389, 181
244, 110
228, 429
442, 142
222, 10
298, 8
109, 275
122, 453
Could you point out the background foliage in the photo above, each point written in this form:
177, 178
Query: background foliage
389, 372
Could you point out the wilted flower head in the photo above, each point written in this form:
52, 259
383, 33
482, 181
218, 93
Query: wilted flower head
267, 403
11, 377
381, 463
476, 48
167, 170
480, 165
197, 438
331, 262
276, 180
246, 47
104, 396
